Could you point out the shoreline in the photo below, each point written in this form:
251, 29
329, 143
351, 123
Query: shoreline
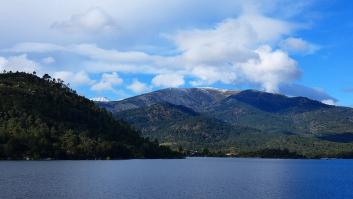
184, 158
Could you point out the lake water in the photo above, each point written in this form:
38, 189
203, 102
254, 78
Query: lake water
206, 178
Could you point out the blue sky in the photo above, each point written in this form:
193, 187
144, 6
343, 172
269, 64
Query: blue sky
117, 49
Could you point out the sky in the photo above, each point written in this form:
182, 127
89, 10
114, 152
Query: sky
117, 49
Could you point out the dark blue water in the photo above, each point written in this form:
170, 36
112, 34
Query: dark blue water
208, 178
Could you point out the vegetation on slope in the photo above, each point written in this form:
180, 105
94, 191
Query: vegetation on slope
43, 118
176, 125
247, 123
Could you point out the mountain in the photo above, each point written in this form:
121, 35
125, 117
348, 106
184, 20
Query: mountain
238, 121
42, 118
195, 98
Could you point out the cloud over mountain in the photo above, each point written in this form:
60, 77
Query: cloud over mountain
234, 51
176, 43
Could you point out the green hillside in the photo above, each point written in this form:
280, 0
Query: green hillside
43, 118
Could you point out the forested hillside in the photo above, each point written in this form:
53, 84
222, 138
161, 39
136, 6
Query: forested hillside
43, 118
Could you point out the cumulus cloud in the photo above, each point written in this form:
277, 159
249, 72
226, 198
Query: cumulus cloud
168, 80
232, 40
238, 50
18, 63
271, 69
235, 51
298, 45
107, 82
79, 78
138, 87
92, 21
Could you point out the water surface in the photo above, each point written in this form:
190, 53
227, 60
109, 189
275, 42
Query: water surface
206, 178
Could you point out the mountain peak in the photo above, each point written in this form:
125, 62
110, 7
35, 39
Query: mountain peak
195, 98
202, 98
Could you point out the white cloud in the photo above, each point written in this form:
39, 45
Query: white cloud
155, 15
235, 51
98, 59
207, 75
138, 87
229, 51
18, 63
48, 60
168, 80
329, 102
232, 40
79, 78
238, 51
94, 52
298, 45
92, 21
270, 70
91, 51
107, 82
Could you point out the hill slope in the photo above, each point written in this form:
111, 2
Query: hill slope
239, 120
43, 118
277, 113
179, 125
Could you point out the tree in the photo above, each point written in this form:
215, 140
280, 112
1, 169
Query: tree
205, 152
46, 77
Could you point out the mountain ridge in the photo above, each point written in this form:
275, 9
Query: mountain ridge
277, 119
218, 93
